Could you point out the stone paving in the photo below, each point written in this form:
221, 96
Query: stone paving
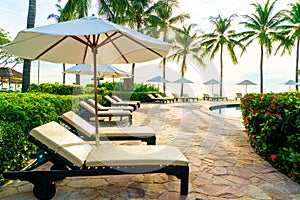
222, 164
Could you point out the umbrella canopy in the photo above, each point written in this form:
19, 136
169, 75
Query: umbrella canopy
105, 71
158, 79
9, 75
212, 82
87, 40
78, 41
182, 80
289, 83
246, 83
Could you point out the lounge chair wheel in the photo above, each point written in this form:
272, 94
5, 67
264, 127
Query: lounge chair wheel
44, 192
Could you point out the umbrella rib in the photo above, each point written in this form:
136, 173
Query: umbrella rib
51, 47
109, 38
142, 44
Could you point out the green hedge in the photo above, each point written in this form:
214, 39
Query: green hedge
61, 89
20, 113
272, 122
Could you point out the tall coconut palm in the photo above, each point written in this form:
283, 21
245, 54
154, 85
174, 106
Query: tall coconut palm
162, 22
130, 12
186, 44
262, 26
136, 12
291, 34
223, 36
27, 62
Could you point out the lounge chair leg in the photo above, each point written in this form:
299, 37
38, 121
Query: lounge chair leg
182, 173
130, 119
184, 185
150, 140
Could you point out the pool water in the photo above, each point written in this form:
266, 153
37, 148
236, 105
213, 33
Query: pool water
232, 110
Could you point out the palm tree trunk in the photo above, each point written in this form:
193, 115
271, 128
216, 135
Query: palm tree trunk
132, 75
64, 74
261, 69
27, 63
221, 71
297, 64
164, 74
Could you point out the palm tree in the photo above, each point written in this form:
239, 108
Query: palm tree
114, 10
27, 62
292, 33
262, 26
222, 36
162, 23
186, 44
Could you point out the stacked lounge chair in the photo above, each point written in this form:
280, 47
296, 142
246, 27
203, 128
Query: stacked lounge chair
177, 98
154, 99
103, 108
71, 156
171, 100
113, 102
88, 112
118, 99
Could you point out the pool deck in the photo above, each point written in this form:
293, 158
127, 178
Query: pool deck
222, 163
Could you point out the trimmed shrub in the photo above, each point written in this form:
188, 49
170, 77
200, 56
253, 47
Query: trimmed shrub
272, 122
20, 113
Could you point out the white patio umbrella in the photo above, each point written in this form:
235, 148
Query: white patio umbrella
158, 79
212, 82
87, 40
246, 83
182, 81
289, 83
103, 71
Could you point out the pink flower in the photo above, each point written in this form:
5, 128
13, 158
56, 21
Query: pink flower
277, 115
273, 156
267, 113
248, 97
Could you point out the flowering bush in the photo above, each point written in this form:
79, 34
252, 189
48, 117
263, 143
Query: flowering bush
272, 122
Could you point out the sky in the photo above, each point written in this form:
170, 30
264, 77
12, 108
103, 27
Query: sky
276, 69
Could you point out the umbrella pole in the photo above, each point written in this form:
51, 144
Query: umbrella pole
96, 97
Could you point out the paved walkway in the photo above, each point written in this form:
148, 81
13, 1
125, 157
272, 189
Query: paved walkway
222, 164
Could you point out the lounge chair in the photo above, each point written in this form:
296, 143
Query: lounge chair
154, 99
118, 99
113, 102
238, 96
167, 98
103, 108
71, 157
190, 98
214, 98
176, 97
85, 130
88, 112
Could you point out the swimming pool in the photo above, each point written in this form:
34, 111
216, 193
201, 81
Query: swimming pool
232, 110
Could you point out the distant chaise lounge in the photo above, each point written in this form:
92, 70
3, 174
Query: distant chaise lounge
154, 99
105, 108
85, 130
113, 102
118, 99
89, 112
